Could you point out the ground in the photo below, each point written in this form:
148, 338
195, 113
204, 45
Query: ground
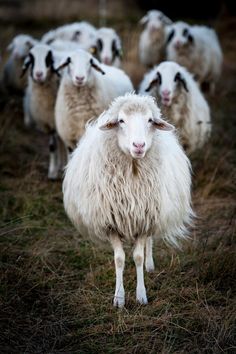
56, 288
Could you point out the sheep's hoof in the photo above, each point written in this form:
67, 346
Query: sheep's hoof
119, 301
142, 297
150, 266
53, 176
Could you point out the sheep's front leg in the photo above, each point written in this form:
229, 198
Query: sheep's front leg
119, 257
53, 163
149, 263
138, 256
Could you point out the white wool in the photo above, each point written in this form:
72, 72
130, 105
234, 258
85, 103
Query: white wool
203, 58
64, 45
188, 111
19, 49
153, 37
108, 46
82, 33
75, 105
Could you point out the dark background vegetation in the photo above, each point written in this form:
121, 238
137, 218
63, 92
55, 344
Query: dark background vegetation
56, 289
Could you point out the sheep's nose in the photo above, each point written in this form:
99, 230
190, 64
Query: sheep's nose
166, 93
107, 61
139, 145
79, 78
39, 74
178, 44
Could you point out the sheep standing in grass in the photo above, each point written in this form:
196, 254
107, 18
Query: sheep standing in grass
198, 49
128, 179
19, 49
39, 100
86, 89
82, 33
108, 47
181, 101
153, 38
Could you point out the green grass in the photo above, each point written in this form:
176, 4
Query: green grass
56, 289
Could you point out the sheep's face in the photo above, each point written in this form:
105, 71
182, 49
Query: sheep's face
168, 81
136, 127
180, 36
108, 46
155, 20
80, 64
40, 61
21, 45
79, 68
83, 35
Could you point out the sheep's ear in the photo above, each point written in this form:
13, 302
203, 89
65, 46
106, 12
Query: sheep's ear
154, 82
144, 20
96, 67
116, 48
151, 85
10, 47
109, 125
170, 36
49, 59
179, 78
160, 124
63, 65
166, 20
27, 62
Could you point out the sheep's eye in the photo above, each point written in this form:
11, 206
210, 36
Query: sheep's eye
150, 120
99, 44
185, 32
121, 121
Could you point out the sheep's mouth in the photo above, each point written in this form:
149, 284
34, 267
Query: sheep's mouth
166, 101
138, 153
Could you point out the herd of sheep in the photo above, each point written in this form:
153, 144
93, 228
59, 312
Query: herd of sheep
127, 176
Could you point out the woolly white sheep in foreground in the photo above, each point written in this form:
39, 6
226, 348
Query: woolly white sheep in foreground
198, 49
129, 179
181, 101
87, 87
39, 100
153, 38
108, 47
19, 49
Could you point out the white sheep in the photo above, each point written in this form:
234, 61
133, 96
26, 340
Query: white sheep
128, 179
79, 32
86, 88
181, 101
198, 49
153, 38
108, 47
39, 101
19, 49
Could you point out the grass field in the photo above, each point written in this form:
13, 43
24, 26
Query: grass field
56, 289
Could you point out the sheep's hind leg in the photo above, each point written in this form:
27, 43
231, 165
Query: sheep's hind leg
53, 163
61, 155
119, 256
138, 256
149, 263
